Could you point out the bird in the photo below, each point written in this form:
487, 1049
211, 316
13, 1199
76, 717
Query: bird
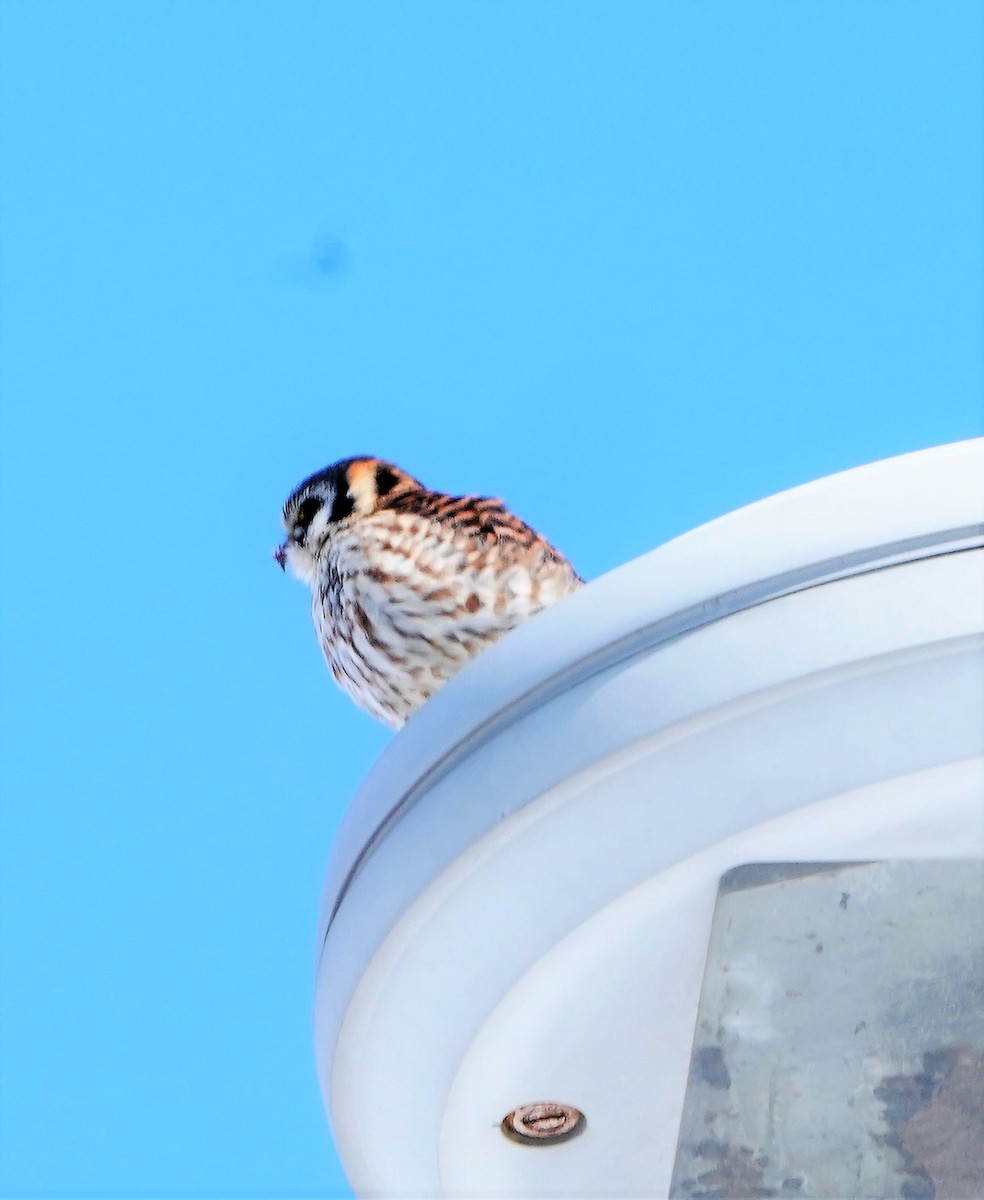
409, 584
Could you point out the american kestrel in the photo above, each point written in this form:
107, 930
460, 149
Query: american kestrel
409, 584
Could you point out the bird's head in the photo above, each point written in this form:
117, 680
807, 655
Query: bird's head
330, 501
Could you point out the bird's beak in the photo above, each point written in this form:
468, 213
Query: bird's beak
280, 554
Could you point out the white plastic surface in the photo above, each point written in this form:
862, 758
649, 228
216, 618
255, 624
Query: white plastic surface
564, 808
626, 984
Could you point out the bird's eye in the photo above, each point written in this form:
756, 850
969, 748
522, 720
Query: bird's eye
307, 512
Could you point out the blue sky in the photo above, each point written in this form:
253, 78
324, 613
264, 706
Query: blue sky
628, 265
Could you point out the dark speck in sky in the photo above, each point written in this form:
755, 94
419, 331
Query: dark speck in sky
330, 256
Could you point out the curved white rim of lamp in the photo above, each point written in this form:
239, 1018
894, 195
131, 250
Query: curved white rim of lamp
898, 510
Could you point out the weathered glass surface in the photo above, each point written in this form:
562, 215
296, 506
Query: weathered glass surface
839, 1046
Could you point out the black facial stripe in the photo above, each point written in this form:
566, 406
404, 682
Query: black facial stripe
386, 480
343, 505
